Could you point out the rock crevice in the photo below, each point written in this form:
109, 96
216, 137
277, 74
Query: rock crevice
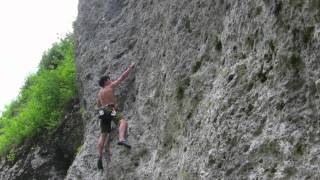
221, 89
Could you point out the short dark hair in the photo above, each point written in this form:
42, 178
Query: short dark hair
103, 79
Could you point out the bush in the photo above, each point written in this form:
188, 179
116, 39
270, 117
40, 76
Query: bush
43, 97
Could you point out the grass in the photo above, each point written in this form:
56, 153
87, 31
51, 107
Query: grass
184, 174
255, 12
272, 45
307, 34
187, 24
217, 43
183, 84
196, 66
299, 150
296, 3
249, 42
11, 156
315, 4
296, 60
290, 171
278, 8
79, 149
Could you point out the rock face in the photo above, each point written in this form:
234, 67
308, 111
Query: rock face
46, 156
222, 89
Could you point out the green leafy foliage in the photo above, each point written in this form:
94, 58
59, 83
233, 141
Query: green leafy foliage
43, 97
11, 156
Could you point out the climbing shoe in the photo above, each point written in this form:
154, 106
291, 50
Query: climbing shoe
100, 163
124, 143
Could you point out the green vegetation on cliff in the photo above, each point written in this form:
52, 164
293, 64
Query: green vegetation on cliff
43, 97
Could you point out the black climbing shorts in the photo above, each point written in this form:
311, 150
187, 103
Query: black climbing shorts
106, 115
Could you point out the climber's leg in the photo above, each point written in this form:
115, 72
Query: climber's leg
123, 126
122, 129
101, 143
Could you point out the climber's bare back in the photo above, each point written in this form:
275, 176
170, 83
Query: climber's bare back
106, 95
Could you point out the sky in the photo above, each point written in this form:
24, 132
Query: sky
27, 30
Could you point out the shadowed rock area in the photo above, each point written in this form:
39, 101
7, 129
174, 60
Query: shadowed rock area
221, 90
47, 155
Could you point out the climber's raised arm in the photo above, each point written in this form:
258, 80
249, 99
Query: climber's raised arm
123, 76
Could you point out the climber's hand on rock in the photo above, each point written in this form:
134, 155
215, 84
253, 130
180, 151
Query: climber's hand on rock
132, 65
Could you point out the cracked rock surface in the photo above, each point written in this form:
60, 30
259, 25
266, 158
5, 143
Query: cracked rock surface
222, 89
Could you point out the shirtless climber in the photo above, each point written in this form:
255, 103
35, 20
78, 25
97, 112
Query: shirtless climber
107, 111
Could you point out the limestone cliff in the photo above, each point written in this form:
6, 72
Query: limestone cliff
222, 89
